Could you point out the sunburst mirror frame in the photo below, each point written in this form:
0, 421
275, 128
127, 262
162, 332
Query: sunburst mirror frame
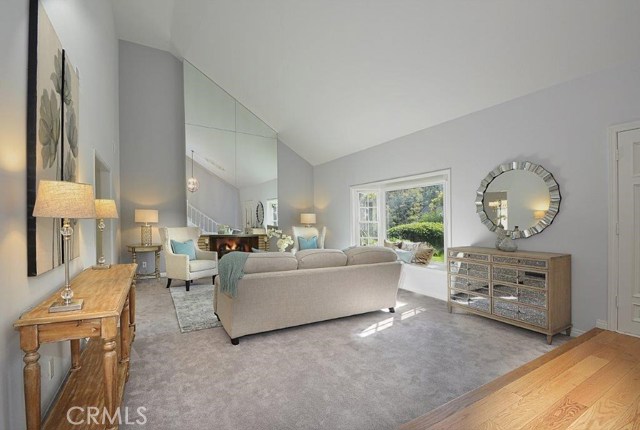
550, 182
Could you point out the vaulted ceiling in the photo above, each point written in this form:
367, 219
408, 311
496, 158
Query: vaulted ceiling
337, 76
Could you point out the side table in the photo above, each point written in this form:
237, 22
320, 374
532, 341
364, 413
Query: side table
155, 248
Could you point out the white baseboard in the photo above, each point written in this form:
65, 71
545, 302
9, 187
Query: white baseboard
602, 324
575, 332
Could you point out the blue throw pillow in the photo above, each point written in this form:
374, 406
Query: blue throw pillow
406, 256
186, 248
311, 243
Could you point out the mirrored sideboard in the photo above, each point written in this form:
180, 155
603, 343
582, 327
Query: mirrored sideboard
531, 290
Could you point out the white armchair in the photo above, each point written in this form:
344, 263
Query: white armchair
178, 265
307, 233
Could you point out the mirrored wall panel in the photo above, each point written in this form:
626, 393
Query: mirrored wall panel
232, 154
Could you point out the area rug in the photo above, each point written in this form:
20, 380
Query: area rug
194, 308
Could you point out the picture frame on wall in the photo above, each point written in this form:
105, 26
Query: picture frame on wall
52, 135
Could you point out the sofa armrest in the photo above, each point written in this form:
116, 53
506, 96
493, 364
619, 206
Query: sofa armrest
177, 266
206, 255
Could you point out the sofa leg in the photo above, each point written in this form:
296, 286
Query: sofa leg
168, 282
217, 316
188, 284
392, 310
235, 341
214, 279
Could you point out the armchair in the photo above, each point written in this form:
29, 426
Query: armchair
307, 233
178, 265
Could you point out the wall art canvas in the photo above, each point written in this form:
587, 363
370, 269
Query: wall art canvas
48, 92
70, 110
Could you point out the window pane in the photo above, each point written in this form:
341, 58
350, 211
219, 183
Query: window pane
416, 214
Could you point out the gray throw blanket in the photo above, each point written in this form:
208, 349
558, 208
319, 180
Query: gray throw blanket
231, 270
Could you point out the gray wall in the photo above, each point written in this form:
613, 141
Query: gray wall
152, 141
218, 199
92, 44
563, 128
295, 187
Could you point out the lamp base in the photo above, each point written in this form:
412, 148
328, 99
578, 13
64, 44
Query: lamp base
75, 305
101, 266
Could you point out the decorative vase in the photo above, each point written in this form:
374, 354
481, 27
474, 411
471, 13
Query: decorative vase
501, 234
508, 244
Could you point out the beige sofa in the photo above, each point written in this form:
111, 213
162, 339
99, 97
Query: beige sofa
281, 290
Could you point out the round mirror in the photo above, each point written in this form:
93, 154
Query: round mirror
260, 213
518, 194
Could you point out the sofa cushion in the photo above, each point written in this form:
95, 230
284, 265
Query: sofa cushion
270, 262
317, 258
369, 255
199, 265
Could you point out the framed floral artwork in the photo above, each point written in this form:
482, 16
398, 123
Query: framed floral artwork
52, 135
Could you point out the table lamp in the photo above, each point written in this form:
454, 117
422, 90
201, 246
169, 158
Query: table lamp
146, 216
307, 219
66, 200
105, 209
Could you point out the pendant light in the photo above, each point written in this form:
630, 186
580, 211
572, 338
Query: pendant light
192, 182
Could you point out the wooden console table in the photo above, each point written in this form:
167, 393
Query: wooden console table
155, 248
109, 296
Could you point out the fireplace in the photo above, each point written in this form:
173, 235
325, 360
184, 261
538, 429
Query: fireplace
226, 243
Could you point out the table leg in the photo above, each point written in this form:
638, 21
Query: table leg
29, 344
135, 261
110, 367
157, 272
124, 333
132, 308
75, 354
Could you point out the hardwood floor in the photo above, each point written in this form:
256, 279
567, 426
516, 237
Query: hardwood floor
592, 381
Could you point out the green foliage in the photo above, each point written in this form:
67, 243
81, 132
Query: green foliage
411, 205
430, 232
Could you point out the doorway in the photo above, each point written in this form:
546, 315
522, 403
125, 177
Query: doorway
624, 244
102, 187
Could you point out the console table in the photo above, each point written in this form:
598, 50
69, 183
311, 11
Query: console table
98, 374
531, 290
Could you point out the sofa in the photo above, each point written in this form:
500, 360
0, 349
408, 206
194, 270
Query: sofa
281, 290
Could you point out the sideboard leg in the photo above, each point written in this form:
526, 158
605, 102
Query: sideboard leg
549, 339
568, 331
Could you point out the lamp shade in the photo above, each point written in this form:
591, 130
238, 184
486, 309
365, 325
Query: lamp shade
146, 215
61, 199
307, 218
106, 209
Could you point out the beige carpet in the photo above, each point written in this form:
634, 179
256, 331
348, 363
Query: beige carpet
372, 371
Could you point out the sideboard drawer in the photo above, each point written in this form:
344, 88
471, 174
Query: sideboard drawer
520, 295
473, 301
516, 312
468, 284
520, 261
469, 255
517, 276
458, 267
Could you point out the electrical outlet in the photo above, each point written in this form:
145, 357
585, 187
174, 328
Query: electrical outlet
51, 368
144, 264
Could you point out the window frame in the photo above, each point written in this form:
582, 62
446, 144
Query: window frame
380, 188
